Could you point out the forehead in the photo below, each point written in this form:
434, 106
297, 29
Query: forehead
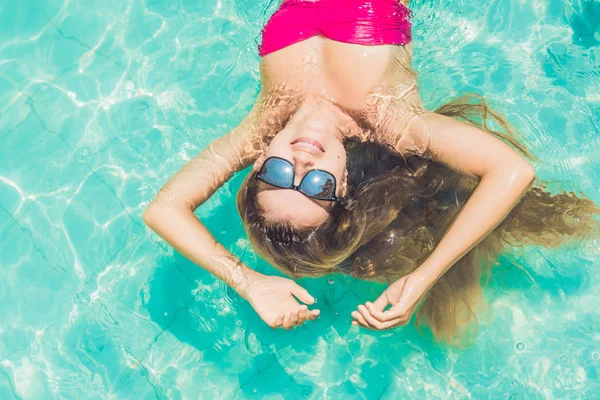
290, 205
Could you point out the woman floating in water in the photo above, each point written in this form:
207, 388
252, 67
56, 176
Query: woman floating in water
352, 174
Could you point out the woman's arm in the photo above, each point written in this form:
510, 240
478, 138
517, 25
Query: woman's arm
503, 177
171, 213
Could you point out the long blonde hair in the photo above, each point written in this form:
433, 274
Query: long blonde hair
399, 209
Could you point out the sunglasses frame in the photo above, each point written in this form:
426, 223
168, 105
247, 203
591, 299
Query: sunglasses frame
297, 187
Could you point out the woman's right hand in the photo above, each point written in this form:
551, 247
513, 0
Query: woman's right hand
272, 297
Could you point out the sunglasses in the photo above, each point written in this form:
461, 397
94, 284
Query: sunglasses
316, 184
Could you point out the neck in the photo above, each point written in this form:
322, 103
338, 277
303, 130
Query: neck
322, 114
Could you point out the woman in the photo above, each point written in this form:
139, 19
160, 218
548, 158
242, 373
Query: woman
331, 72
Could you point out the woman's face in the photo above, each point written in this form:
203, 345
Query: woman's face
308, 142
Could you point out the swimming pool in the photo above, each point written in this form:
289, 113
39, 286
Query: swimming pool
101, 102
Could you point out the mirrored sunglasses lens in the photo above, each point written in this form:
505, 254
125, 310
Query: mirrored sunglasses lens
318, 184
277, 173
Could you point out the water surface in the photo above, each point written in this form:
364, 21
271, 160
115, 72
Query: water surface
101, 102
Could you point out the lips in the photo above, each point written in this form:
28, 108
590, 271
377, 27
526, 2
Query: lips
308, 145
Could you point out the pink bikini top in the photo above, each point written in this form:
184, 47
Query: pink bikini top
365, 22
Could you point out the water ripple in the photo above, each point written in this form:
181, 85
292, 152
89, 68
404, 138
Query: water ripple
101, 103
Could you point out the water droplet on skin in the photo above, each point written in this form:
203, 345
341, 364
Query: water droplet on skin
166, 314
595, 356
44, 87
564, 358
330, 281
535, 287
476, 376
513, 384
254, 390
43, 142
520, 346
52, 164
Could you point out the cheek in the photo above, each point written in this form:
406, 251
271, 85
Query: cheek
338, 166
279, 145
273, 146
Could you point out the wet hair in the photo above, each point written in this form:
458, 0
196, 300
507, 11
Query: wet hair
396, 212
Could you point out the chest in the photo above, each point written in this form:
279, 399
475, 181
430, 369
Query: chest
340, 72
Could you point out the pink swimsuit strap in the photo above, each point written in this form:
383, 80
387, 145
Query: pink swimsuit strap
365, 22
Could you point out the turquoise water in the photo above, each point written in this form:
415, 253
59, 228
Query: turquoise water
101, 102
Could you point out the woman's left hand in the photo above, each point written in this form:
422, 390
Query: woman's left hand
403, 295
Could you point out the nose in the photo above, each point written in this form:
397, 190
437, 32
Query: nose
303, 162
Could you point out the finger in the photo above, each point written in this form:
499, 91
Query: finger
302, 294
398, 311
376, 313
392, 324
302, 315
381, 302
385, 316
290, 320
293, 318
360, 319
278, 322
312, 315
376, 324
382, 324
286, 322
369, 318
